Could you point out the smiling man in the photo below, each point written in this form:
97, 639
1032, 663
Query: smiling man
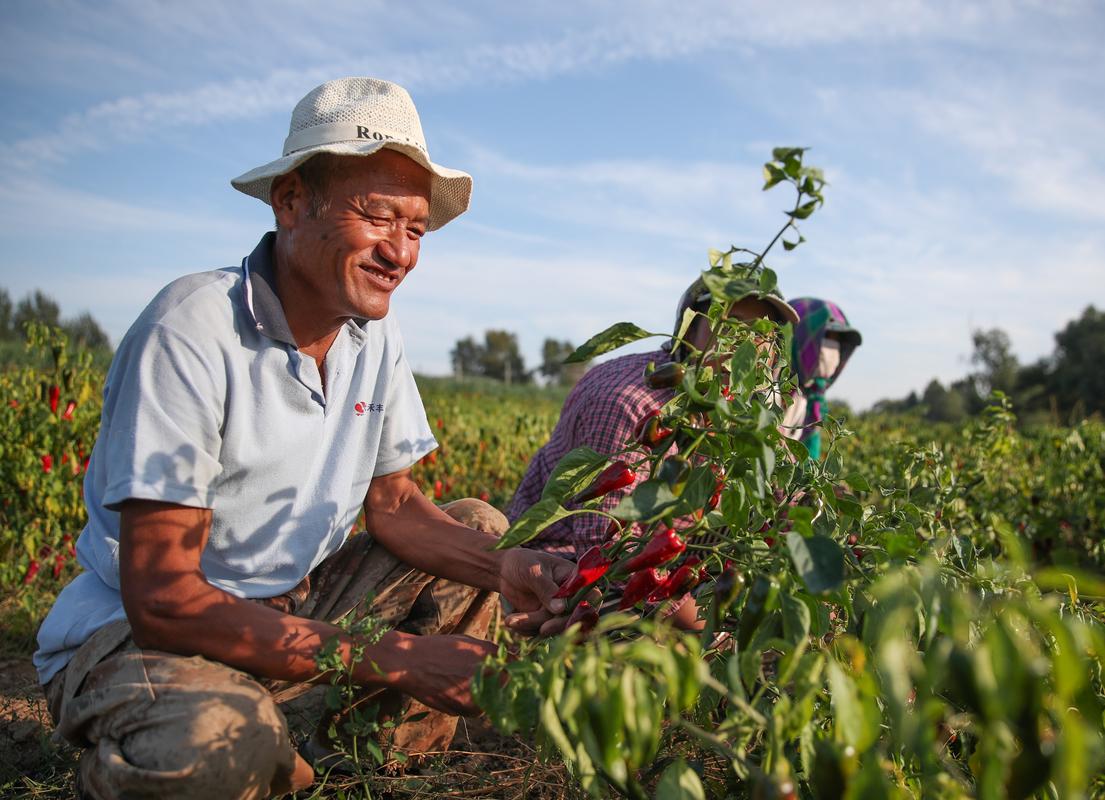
250, 415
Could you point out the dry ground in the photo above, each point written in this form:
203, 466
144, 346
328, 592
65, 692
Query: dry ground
480, 764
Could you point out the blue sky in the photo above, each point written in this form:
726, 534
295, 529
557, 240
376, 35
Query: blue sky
612, 145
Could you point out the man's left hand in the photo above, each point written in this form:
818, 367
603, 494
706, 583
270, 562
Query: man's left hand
528, 580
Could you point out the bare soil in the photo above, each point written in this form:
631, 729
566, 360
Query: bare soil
480, 764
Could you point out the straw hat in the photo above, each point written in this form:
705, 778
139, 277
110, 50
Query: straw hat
358, 117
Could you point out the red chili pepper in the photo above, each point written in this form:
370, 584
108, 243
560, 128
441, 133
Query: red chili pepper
639, 586
660, 549
438, 490
32, 570
70, 407
55, 395
591, 566
617, 476
47, 462
59, 564
13, 403
648, 431
585, 615
485, 496
682, 580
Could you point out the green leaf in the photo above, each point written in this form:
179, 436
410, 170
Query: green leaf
796, 619
537, 517
819, 561
803, 210
699, 488
573, 472
858, 482
800, 452
680, 782
784, 153
649, 501
772, 176
767, 458
744, 360
791, 245
689, 315
618, 334
768, 280
725, 286
850, 720
801, 517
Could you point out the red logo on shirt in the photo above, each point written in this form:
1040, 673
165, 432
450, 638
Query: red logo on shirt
360, 408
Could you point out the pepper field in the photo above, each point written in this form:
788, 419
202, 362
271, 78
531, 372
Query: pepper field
958, 655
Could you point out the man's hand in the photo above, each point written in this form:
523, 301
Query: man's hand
436, 670
528, 580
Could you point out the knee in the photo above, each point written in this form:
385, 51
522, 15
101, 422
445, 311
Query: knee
477, 514
224, 741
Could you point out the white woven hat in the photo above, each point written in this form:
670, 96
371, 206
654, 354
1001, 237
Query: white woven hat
358, 117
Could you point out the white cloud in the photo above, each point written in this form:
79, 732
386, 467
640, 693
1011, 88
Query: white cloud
472, 55
33, 206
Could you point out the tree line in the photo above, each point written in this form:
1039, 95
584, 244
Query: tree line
498, 357
83, 330
1068, 384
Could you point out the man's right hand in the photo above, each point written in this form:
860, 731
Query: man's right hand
435, 670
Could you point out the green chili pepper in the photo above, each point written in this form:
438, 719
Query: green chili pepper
674, 472
665, 376
760, 598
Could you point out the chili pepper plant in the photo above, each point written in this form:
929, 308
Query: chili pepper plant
852, 640
49, 412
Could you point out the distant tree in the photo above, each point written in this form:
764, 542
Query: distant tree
1078, 374
39, 307
973, 400
553, 367
86, 332
498, 357
501, 358
7, 331
942, 405
466, 357
36, 307
993, 355
1034, 391
553, 354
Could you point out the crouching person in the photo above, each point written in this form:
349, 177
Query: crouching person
250, 415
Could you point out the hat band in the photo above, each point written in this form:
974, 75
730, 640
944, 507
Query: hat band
333, 132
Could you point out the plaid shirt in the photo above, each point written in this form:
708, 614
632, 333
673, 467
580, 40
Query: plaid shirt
601, 413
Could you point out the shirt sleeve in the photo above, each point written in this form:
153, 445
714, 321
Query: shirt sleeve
163, 413
406, 435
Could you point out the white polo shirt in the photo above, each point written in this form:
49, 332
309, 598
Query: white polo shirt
209, 403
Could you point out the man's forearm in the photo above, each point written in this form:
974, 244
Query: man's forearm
257, 639
418, 533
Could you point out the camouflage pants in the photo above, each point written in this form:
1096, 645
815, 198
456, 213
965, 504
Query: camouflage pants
159, 725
